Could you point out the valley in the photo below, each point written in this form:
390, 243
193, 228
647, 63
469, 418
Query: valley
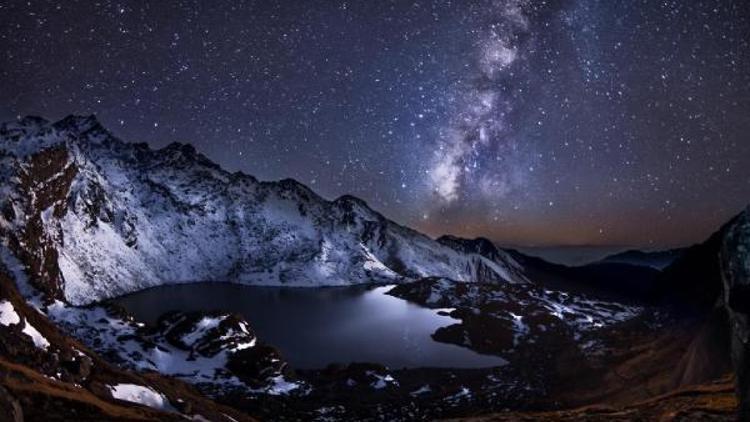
318, 310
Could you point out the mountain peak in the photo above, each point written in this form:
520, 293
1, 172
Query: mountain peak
32, 120
83, 127
351, 199
79, 122
71, 127
181, 147
479, 245
23, 126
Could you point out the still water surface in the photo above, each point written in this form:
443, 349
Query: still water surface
314, 327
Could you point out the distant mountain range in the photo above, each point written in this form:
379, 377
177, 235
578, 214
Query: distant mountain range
655, 259
583, 255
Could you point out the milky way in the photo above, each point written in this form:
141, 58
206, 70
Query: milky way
479, 125
529, 122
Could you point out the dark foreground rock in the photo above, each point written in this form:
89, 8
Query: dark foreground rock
734, 261
10, 408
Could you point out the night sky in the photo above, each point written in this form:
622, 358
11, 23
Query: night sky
528, 122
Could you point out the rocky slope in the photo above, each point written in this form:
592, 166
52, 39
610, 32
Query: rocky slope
47, 375
94, 217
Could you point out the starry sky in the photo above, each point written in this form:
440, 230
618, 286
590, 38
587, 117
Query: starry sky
578, 122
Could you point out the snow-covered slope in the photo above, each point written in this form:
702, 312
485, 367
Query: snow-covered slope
94, 217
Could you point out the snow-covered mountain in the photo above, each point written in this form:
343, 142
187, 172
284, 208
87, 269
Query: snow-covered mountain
94, 217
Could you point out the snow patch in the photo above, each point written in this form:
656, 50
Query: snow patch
280, 386
201, 327
381, 381
39, 340
463, 393
8, 315
421, 390
142, 395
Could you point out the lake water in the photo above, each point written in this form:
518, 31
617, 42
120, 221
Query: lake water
314, 327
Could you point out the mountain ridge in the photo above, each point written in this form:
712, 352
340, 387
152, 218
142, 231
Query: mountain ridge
172, 215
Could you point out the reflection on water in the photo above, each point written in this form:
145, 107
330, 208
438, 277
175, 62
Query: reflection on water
314, 327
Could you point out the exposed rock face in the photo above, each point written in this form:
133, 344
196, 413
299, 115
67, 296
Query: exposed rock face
93, 217
735, 266
45, 178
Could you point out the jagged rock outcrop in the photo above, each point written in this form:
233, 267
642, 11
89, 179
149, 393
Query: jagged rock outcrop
205, 334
